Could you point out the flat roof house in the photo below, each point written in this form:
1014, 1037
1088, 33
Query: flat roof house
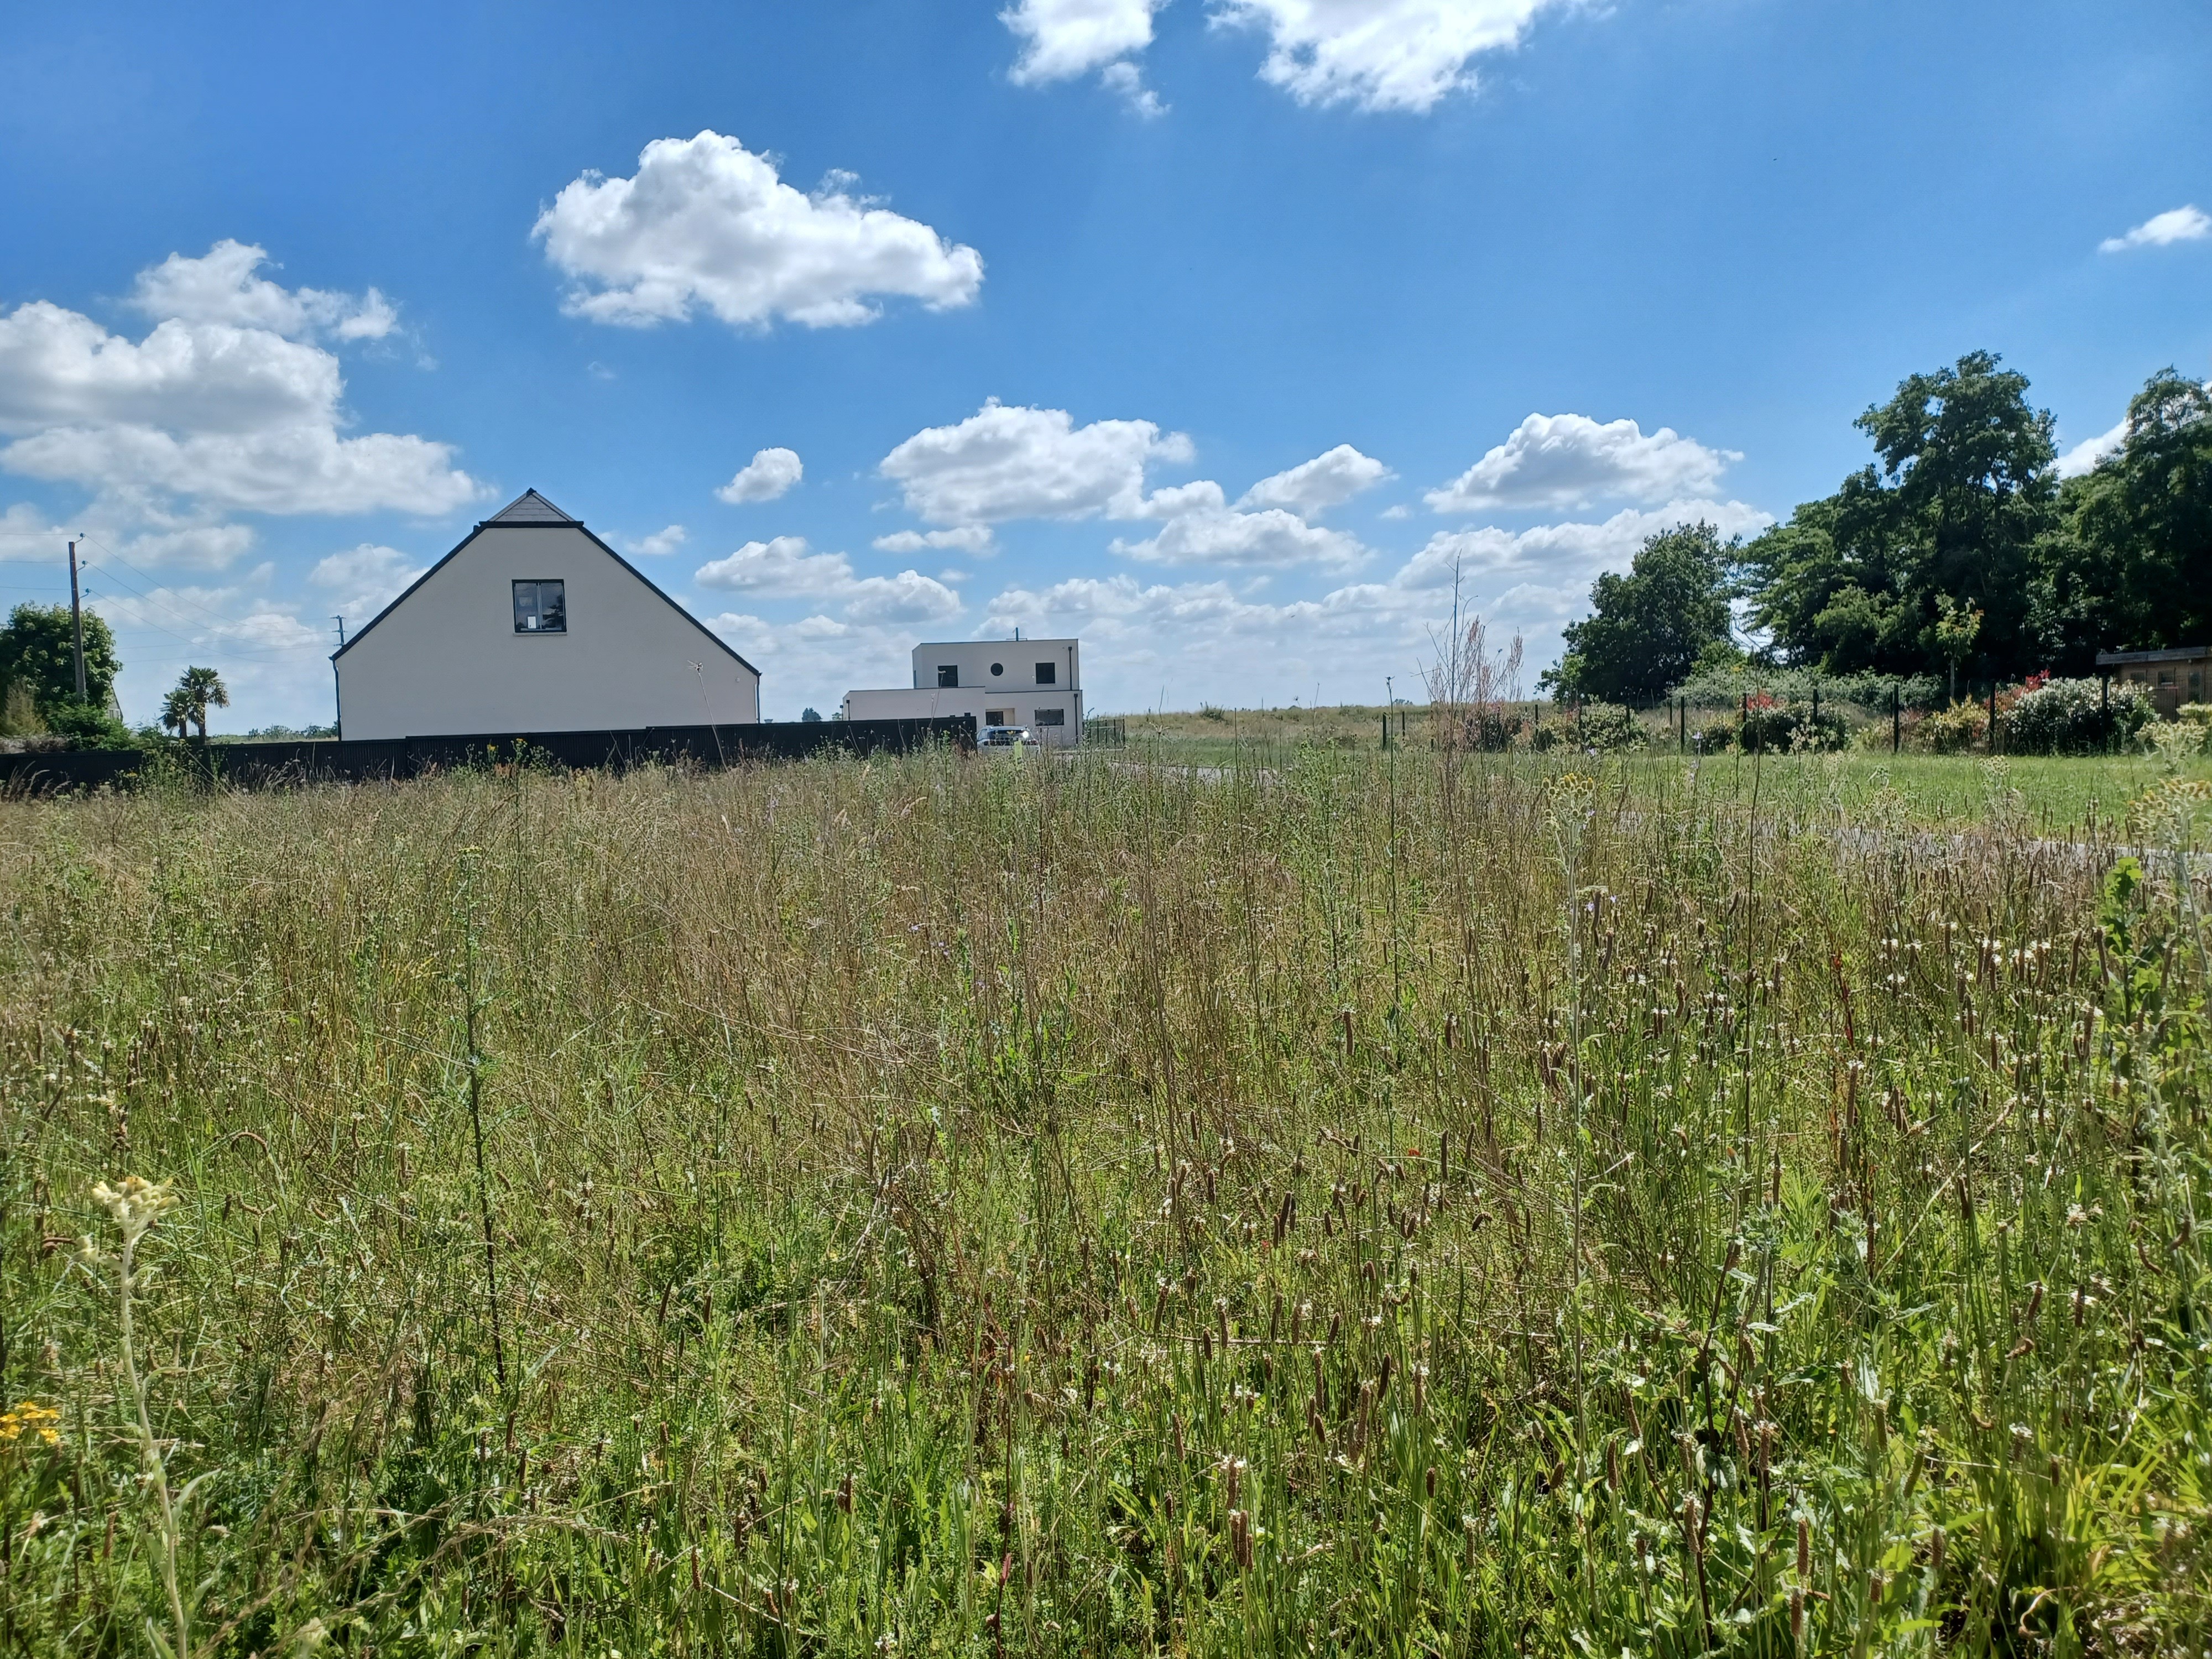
1037, 684
534, 624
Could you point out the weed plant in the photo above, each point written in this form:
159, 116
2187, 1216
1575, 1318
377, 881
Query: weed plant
1398, 1204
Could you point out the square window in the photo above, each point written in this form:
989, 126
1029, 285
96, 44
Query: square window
541, 607
998, 717
1047, 673
1052, 717
949, 675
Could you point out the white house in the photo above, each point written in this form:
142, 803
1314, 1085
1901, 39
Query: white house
1037, 684
535, 624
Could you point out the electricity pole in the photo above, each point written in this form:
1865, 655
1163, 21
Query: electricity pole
338, 684
77, 622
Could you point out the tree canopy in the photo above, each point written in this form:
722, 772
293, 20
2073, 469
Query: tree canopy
1944, 522
1959, 552
38, 654
1648, 628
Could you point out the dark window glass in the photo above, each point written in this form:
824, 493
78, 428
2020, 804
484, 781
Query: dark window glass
997, 669
1047, 673
949, 675
1051, 717
541, 607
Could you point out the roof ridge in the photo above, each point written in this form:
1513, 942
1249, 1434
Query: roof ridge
530, 507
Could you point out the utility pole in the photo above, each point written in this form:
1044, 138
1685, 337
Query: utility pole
337, 685
77, 622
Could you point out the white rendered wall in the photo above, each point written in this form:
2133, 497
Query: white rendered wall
903, 704
447, 662
1018, 661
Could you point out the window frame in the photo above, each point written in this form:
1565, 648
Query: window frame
537, 584
1047, 673
948, 676
1049, 717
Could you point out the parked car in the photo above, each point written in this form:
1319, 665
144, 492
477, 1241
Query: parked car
1008, 737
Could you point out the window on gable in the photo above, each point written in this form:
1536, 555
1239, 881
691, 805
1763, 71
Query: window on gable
949, 674
541, 607
1047, 673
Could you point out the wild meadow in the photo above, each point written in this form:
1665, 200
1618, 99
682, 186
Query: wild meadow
1391, 1203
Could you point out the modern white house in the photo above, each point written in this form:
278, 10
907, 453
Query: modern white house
1037, 684
534, 624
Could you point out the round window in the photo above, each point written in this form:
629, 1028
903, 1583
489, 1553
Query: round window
998, 668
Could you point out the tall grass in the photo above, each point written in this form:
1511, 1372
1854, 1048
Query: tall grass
1383, 1203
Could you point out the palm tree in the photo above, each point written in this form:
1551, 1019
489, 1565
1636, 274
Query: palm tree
201, 687
176, 712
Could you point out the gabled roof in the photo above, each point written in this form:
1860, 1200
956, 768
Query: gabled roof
530, 507
532, 511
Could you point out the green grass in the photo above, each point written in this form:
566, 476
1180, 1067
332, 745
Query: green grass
1366, 1205
2063, 797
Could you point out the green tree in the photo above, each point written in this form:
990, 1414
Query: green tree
1961, 497
198, 689
1647, 629
2131, 569
37, 653
176, 711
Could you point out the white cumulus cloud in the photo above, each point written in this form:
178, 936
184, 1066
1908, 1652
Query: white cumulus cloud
2181, 224
1219, 640
1572, 461
974, 538
767, 477
665, 540
1269, 538
225, 412
707, 222
1313, 487
784, 568
2084, 456
1379, 54
221, 287
362, 580
1014, 462
778, 568
908, 597
1064, 39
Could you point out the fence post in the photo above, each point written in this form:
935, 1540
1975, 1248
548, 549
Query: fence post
1681, 726
1386, 731
1993, 717
1896, 719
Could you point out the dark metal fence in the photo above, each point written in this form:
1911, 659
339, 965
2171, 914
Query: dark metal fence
270, 765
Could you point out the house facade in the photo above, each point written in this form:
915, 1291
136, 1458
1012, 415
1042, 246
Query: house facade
1037, 684
2170, 678
534, 624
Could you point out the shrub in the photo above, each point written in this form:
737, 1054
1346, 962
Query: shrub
1775, 728
1713, 736
1950, 731
1607, 727
89, 727
2073, 717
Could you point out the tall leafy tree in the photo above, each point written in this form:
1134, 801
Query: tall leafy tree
1647, 628
2131, 569
37, 653
1947, 519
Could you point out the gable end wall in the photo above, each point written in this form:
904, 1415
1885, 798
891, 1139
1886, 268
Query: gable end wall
445, 660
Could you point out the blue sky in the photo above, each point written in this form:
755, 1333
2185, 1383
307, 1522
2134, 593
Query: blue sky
1056, 305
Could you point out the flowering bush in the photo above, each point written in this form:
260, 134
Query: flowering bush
2071, 717
1950, 731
